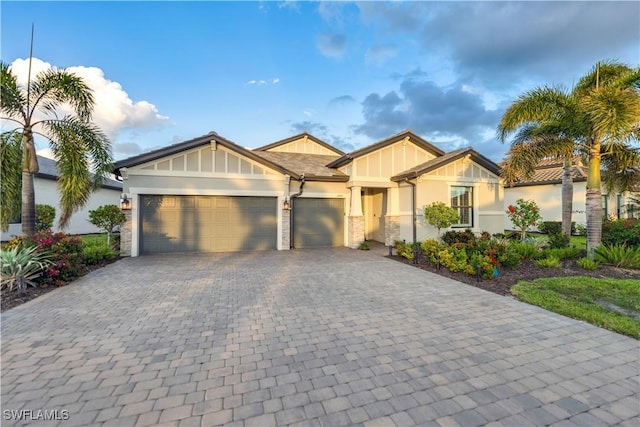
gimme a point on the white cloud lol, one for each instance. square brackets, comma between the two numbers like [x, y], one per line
[273, 81]
[114, 110]
[332, 45]
[307, 113]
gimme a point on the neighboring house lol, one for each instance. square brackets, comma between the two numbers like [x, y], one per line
[46, 191]
[210, 194]
[545, 188]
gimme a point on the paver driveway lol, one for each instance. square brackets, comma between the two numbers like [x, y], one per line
[317, 337]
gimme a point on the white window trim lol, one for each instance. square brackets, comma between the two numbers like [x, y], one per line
[474, 207]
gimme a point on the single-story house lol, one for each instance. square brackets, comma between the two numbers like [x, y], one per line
[46, 193]
[545, 188]
[209, 194]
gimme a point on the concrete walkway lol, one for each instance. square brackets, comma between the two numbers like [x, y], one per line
[312, 337]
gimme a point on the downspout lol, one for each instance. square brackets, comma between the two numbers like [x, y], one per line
[413, 207]
[292, 212]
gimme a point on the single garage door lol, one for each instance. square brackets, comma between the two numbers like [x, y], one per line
[207, 224]
[318, 222]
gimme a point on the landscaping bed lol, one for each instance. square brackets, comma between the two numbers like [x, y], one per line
[528, 270]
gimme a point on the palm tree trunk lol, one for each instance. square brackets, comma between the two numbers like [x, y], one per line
[29, 168]
[594, 199]
[567, 197]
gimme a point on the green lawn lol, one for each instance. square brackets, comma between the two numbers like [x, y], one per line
[613, 304]
[93, 239]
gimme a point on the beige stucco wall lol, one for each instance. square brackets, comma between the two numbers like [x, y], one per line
[304, 145]
[388, 161]
[46, 191]
[549, 199]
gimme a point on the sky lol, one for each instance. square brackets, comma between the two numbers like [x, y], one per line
[350, 73]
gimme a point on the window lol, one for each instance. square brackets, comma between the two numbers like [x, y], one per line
[462, 201]
[605, 206]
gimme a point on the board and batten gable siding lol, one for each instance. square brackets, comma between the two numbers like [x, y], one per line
[387, 162]
[204, 160]
[303, 145]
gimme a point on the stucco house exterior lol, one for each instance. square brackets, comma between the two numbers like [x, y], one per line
[46, 192]
[545, 188]
[209, 194]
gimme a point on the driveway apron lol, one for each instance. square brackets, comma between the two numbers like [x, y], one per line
[307, 337]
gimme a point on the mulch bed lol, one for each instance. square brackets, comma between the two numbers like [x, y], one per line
[11, 299]
[528, 270]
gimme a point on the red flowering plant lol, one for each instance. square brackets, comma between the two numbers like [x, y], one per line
[523, 215]
[65, 252]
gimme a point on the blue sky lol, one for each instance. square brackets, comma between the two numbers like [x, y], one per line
[349, 73]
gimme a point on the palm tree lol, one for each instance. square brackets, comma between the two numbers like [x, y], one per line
[601, 114]
[82, 151]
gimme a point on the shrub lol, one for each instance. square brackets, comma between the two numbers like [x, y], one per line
[526, 250]
[20, 267]
[466, 236]
[97, 254]
[440, 215]
[587, 263]
[549, 262]
[510, 258]
[487, 268]
[559, 240]
[523, 215]
[65, 253]
[107, 217]
[581, 230]
[554, 227]
[618, 256]
[363, 246]
[404, 249]
[563, 253]
[45, 215]
[454, 258]
[621, 232]
[430, 248]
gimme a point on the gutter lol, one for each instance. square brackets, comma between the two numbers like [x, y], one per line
[413, 207]
[292, 214]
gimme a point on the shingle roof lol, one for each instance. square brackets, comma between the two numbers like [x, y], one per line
[381, 144]
[49, 170]
[445, 159]
[553, 175]
[313, 166]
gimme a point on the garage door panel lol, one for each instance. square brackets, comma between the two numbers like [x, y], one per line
[318, 222]
[207, 224]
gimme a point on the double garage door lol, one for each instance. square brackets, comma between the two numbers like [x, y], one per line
[207, 224]
[227, 224]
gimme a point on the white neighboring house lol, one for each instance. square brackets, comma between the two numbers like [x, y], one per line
[545, 188]
[45, 186]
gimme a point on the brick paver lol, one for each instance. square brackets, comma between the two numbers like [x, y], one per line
[311, 337]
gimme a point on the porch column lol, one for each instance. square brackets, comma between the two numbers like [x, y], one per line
[125, 234]
[392, 218]
[356, 219]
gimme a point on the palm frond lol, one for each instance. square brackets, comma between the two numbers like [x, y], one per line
[614, 112]
[604, 74]
[11, 183]
[54, 87]
[12, 101]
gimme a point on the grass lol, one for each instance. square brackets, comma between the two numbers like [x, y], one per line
[612, 304]
[93, 239]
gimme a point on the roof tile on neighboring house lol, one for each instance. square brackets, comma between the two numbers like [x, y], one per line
[49, 170]
[553, 175]
[392, 140]
[452, 156]
[313, 166]
[299, 136]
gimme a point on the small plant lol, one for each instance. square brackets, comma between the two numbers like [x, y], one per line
[523, 215]
[618, 256]
[526, 250]
[563, 253]
[64, 251]
[466, 237]
[621, 232]
[430, 248]
[558, 240]
[510, 257]
[581, 230]
[20, 267]
[549, 262]
[404, 249]
[454, 258]
[363, 246]
[107, 218]
[97, 254]
[587, 263]
[440, 215]
[45, 215]
[487, 267]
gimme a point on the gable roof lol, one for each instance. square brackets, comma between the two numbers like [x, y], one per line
[297, 137]
[551, 173]
[195, 143]
[452, 156]
[49, 170]
[313, 166]
[345, 159]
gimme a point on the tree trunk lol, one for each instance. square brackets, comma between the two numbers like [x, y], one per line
[567, 197]
[594, 200]
[29, 168]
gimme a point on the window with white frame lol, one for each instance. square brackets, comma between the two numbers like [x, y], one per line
[462, 201]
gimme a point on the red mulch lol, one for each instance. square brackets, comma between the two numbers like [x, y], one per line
[528, 270]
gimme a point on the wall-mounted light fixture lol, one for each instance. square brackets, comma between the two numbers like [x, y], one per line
[125, 203]
[286, 205]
